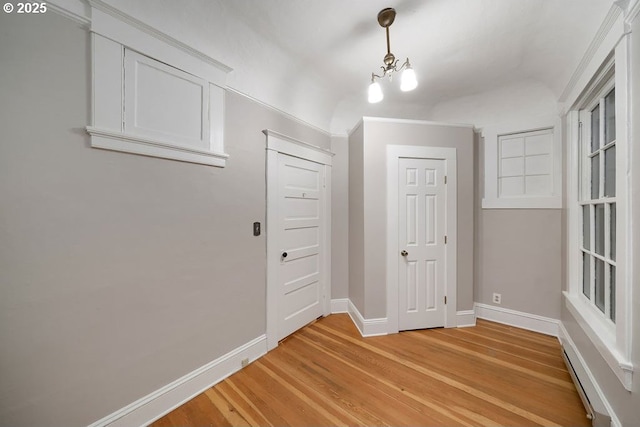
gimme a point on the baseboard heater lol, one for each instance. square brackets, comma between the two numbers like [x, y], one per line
[596, 411]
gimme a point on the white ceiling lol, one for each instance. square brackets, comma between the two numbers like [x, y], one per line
[314, 58]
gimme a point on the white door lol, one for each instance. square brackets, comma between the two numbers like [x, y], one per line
[301, 281]
[421, 243]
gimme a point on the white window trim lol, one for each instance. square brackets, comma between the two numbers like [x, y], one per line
[613, 344]
[491, 134]
[112, 33]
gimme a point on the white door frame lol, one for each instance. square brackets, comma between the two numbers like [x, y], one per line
[394, 153]
[278, 143]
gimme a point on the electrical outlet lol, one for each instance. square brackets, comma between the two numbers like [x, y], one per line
[244, 362]
[497, 298]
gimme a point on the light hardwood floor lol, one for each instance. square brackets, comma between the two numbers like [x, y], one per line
[326, 374]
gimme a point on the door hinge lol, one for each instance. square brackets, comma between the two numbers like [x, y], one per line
[445, 240]
[445, 299]
[445, 179]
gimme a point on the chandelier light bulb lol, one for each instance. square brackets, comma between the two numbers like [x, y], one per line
[375, 92]
[408, 81]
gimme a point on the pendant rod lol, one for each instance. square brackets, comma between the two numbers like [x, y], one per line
[388, 43]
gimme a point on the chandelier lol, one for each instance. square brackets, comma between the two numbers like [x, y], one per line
[408, 79]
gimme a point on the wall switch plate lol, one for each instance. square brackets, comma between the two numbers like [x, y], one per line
[256, 228]
[497, 298]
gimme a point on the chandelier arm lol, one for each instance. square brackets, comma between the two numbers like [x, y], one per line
[403, 66]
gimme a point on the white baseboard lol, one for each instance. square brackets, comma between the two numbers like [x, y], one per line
[465, 318]
[153, 406]
[519, 319]
[339, 305]
[580, 366]
[367, 327]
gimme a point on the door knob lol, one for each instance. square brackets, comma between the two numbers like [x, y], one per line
[404, 253]
[284, 254]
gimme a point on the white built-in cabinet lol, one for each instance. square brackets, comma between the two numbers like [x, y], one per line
[152, 95]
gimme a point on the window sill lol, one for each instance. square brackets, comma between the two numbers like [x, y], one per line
[116, 141]
[524, 202]
[602, 339]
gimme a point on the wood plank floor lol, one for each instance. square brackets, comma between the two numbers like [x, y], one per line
[326, 375]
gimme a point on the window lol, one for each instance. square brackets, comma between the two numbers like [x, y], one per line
[523, 164]
[599, 277]
[598, 202]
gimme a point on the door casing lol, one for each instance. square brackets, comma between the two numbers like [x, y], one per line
[394, 153]
[278, 143]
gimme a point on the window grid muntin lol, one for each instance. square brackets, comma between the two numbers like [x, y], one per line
[589, 150]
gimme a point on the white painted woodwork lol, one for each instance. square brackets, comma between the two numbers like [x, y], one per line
[421, 210]
[300, 277]
[421, 232]
[153, 95]
[523, 164]
[613, 342]
[298, 223]
[164, 102]
[526, 164]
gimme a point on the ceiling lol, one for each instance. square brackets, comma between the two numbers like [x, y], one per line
[314, 58]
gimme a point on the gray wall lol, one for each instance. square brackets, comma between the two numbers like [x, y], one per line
[340, 218]
[625, 404]
[118, 273]
[377, 135]
[518, 254]
[356, 218]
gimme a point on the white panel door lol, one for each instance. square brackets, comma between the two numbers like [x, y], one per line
[421, 240]
[300, 276]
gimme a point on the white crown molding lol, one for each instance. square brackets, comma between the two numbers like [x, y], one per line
[110, 10]
[414, 122]
[632, 12]
[162, 401]
[80, 11]
[279, 111]
[598, 39]
[76, 10]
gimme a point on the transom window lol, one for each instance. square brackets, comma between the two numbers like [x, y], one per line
[598, 202]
